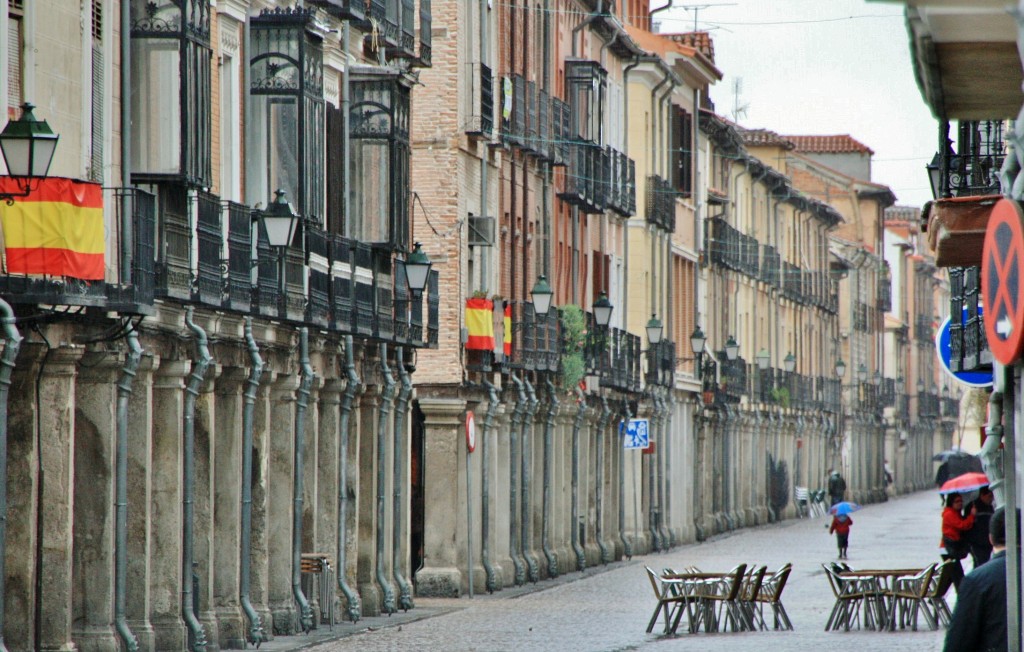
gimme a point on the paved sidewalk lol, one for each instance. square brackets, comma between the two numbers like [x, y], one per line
[607, 608]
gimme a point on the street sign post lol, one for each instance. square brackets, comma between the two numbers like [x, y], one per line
[1001, 263]
[470, 431]
[636, 434]
[944, 349]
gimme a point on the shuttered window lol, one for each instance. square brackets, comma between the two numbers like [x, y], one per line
[96, 154]
[15, 90]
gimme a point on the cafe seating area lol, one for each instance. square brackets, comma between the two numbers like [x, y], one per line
[712, 602]
[888, 599]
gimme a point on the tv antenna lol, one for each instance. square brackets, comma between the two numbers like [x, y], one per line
[696, 9]
[738, 110]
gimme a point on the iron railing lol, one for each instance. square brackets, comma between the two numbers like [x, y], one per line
[661, 203]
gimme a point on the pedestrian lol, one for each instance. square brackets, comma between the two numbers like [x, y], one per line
[836, 488]
[954, 528]
[977, 536]
[841, 526]
[887, 471]
[979, 617]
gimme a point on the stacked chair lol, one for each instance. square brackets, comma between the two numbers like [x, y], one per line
[771, 594]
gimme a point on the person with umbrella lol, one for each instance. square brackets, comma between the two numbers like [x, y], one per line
[954, 529]
[841, 523]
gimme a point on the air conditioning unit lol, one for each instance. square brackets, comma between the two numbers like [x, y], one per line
[481, 231]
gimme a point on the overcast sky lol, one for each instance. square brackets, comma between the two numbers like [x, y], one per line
[816, 67]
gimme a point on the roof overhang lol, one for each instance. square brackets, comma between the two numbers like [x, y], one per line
[965, 58]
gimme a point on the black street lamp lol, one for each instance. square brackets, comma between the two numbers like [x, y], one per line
[697, 341]
[732, 348]
[279, 221]
[840, 368]
[789, 364]
[763, 358]
[541, 296]
[602, 310]
[876, 378]
[654, 330]
[417, 269]
[862, 373]
[27, 145]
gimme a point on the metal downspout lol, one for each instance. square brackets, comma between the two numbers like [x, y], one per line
[581, 410]
[12, 343]
[301, 402]
[599, 11]
[405, 601]
[602, 428]
[354, 608]
[990, 451]
[256, 634]
[627, 545]
[387, 395]
[491, 581]
[652, 484]
[124, 391]
[485, 258]
[666, 464]
[549, 424]
[525, 529]
[513, 483]
[196, 633]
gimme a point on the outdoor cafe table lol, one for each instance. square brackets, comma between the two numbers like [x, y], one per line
[880, 582]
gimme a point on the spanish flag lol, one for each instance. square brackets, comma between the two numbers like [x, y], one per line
[57, 230]
[480, 324]
[507, 327]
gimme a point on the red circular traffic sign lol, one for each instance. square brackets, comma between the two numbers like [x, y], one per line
[1001, 265]
[470, 431]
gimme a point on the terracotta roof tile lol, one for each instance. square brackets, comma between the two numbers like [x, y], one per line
[700, 41]
[836, 144]
[763, 138]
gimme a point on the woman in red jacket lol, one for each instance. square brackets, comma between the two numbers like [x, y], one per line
[954, 528]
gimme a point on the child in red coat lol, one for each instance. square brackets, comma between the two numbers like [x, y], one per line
[841, 526]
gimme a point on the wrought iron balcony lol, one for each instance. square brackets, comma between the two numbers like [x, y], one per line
[928, 406]
[661, 364]
[535, 339]
[318, 308]
[923, 328]
[622, 183]
[561, 120]
[732, 249]
[950, 408]
[586, 177]
[968, 344]
[211, 274]
[973, 169]
[542, 145]
[771, 266]
[513, 127]
[863, 317]
[733, 377]
[792, 282]
[238, 292]
[342, 9]
[661, 203]
[884, 296]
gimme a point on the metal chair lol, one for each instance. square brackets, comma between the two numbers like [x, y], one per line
[752, 587]
[803, 502]
[671, 602]
[849, 598]
[720, 600]
[935, 598]
[771, 594]
[908, 594]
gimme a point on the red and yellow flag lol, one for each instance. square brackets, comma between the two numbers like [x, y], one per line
[480, 324]
[57, 230]
[507, 327]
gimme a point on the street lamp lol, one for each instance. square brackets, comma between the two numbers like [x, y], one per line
[763, 358]
[862, 373]
[654, 332]
[935, 176]
[920, 386]
[417, 269]
[697, 341]
[789, 363]
[541, 296]
[602, 310]
[840, 368]
[27, 145]
[876, 378]
[732, 348]
[279, 221]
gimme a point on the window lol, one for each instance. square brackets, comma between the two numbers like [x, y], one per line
[15, 45]
[585, 91]
[230, 112]
[380, 157]
[682, 151]
[96, 90]
[171, 58]
[285, 146]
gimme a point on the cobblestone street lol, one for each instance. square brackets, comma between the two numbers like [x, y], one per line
[607, 608]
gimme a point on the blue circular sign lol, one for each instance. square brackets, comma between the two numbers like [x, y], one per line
[945, 351]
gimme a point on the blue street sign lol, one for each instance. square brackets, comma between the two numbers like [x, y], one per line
[945, 353]
[636, 435]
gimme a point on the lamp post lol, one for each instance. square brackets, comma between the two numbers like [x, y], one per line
[280, 223]
[417, 269]
[862, 373]
[27, 145]
[732, 348]
[602, 310]
[789, 364]
[541, 296]
[654, 330]
[840, 368]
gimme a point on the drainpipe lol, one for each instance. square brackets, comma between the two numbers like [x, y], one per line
[126, 144]
[485, 487]
[602, 427]
[354, 609]
[627, 546]
[652, 491]
[12, 343]
[301, 401]
[666, 464]
[387, 395]
[990, 452]
[513, 483]
[124, 391]
[256, 635]
[404, 588]
[527, 461]
[197, 636]
[549, 423]
[599, 12]
[581, 409]
[485, 258]
[625, 149]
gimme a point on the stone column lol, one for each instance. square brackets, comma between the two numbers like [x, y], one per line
[140, 456]
[326, 503]
[227, 497]
[93, 530]
[260, 570]
[445, 537]
[165, 507]
[561, 484]
[311, 489]
[365, 474]
[280, 503]
[203, 524]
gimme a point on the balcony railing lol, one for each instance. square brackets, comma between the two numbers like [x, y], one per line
[561, 121]
[586, 177]
[974, 168]
[771, 265]
[732, 378]
[923, 328]
[968, 344]
[661, 364]
[928, 406]
[661, 203]
[622, 190]
[481, 113]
